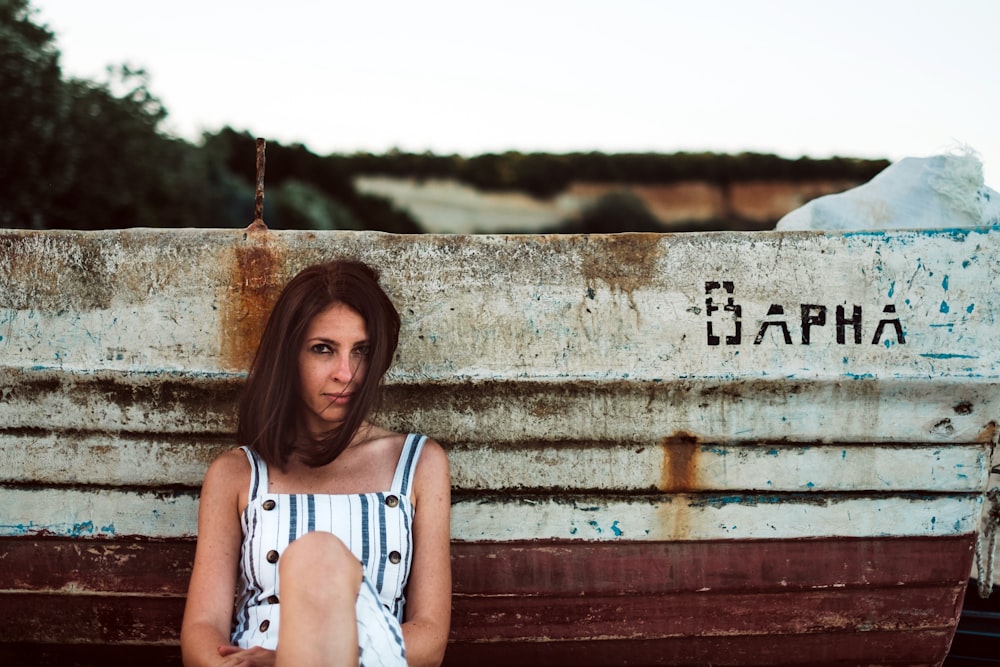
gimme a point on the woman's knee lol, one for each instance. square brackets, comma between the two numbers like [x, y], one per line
[319, 555]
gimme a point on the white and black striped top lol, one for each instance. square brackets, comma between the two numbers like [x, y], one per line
[374, 526]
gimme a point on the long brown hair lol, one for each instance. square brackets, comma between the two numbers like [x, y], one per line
[271, 405]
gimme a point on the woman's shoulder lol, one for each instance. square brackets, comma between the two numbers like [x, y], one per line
[432, 468]
[433, 450]
[229, 467]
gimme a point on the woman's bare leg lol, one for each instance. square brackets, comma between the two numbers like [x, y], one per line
[319, 583]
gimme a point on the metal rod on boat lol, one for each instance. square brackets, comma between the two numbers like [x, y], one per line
[258, 202]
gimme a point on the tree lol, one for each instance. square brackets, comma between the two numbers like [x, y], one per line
[81, 154]
[32, 113]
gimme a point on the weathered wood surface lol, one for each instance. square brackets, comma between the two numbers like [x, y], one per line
[762, 448]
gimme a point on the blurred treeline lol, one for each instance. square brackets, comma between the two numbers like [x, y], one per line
[80, 154]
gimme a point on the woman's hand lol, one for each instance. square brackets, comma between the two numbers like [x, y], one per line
[246, 657]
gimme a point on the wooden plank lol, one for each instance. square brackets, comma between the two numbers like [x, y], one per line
[707, 517]
[91, 619]
[671, 464]
[71, 566]
[96, 512]
[847, 650]
[107, 459]
[913, 649]
[115, 619]
[712, 410]
[88, 655]
[659, 568]
[704, 614]
[685, 464]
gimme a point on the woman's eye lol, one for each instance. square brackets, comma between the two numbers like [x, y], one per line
[362, 351]
[320, 348]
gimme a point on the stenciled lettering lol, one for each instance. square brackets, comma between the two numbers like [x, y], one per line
[729, 306]
[725, 321]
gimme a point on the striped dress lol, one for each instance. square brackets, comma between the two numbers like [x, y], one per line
[374, 526]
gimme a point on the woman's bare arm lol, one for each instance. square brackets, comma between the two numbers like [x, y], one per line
[209, 609]
[428, 594]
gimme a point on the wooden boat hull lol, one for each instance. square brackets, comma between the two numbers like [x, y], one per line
[666, 449]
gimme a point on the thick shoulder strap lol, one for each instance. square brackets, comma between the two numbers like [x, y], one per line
[403, 479]
[258, 473]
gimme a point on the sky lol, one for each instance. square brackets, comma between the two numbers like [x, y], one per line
[851, 78]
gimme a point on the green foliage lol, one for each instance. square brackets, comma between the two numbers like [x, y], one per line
[31, 116]
[307, 189]
[121, 171]
[301, 205]
[89, 155]
[614, 212]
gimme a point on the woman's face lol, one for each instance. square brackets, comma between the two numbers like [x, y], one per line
[332, 363]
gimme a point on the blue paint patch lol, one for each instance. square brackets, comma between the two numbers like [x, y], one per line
[954, 233]
[809, 485]
[78, 529]
[722, 501]
[970, 308]
[572, 531]
[616, 530]
[944, 307]
[108, 529]
[942, 355]
[772, 452]
[718, 451]
[593, 524]
[892, 289]
[843, 455]
[944, 283]
[11, 529]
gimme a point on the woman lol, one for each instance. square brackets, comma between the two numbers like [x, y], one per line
[315, 489]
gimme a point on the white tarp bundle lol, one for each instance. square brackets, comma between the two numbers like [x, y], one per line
[941, 191]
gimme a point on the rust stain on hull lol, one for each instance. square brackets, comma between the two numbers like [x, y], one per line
[680, 463]
[256, 278]
[989, 434]
[625, 262]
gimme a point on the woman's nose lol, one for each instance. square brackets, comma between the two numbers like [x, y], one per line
[343, 370]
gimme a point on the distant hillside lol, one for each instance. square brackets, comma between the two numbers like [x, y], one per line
[539, 192]
[447, 206]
